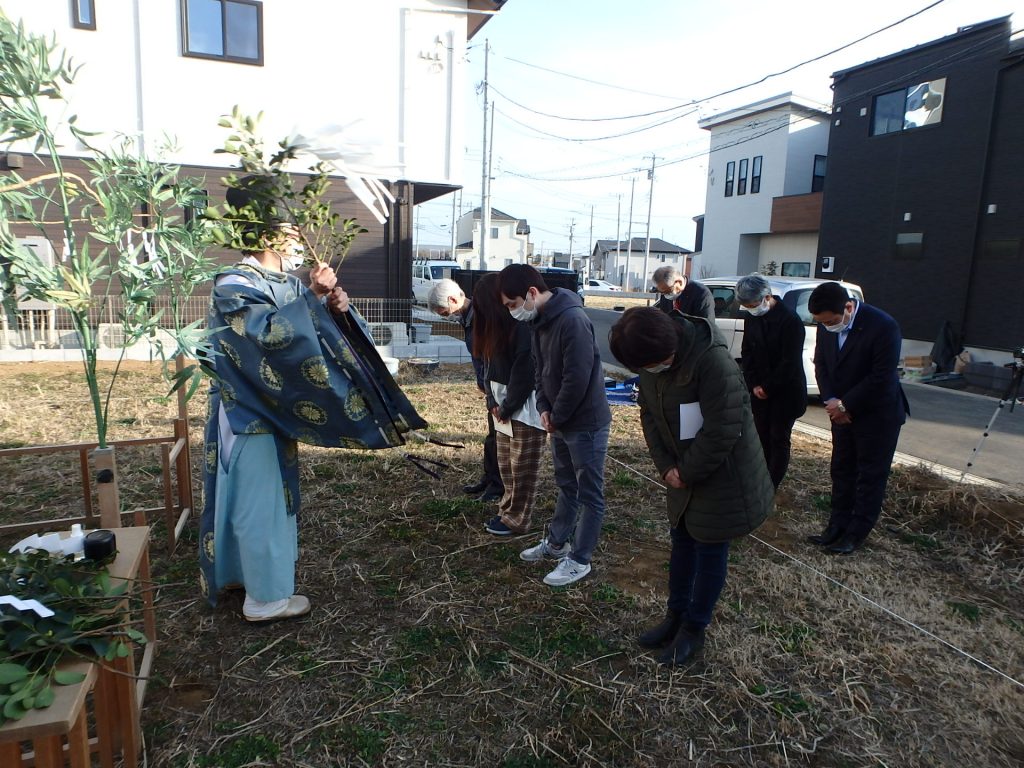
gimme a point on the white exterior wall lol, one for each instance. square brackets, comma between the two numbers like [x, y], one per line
[798, 247]
[733, 225]
[390, 71]
[615, 268]
[506, 246]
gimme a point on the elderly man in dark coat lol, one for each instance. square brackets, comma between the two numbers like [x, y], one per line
[773, 366]
[696, 419]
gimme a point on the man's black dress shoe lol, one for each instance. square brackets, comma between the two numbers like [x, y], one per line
[475, 488]
[847, 544]
[830, 535]
[688, 642]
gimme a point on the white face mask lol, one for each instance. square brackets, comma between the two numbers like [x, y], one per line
[759, 310]
[291, 263]
[657, 368]
[840, 326]
[522, 313]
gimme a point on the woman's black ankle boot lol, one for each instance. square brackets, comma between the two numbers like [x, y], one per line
[662, 634]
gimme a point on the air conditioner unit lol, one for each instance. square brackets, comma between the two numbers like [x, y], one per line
[110, 336]
[385, 334]
[42, 248]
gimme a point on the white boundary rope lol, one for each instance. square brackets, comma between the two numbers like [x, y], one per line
[855, 593]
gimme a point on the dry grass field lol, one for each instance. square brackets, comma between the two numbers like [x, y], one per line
[431, 644]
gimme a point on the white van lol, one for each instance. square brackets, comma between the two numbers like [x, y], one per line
[425, 273]
[794, 292]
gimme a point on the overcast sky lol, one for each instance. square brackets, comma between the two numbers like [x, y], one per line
[651, 56]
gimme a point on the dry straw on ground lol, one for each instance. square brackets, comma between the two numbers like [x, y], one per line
[432, 644]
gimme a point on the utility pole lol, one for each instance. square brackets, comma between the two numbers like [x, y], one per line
[618, 236]
[453, 233]
[485, 198]
[590, 253]
[629, 235]
[650, 204]
[572, 227]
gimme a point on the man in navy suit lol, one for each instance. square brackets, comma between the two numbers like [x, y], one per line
[855, 362]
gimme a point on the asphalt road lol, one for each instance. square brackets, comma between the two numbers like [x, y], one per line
[944, 427]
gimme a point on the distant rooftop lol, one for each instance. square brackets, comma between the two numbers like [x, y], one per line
[798, 104]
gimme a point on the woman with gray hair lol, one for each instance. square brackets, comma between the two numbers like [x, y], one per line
[773, 367]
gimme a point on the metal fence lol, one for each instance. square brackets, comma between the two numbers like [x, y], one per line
[392, 322]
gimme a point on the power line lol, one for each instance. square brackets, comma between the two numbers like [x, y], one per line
[693, 102]
[983, 47]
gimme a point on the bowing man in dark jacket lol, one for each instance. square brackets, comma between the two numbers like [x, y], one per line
[680, 293]
[855, 362]
[773, 368]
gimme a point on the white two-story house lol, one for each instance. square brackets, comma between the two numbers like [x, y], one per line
[508, 241]
[382, 80]
[622, 262]
[766, 170]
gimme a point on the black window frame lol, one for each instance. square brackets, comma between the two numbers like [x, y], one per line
[818, 179]
[257, 62]
[76, 17]
[730, 175]
[741, 177]
[755, 174]
[897, 121]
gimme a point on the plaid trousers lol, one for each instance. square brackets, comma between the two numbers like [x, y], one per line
[519, 459]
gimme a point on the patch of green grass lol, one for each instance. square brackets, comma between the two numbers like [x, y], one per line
[12, 444]
[791, 637]
[623, 479]
[391, 679]
[786, 702]
[245, 750]
[564, 641]
[527, 760]
[367, 743]
[491, 663]
[401, 532]
[344, 489]
[384, 587]
[426, 640]
[968, 611]
[609, 593]
[920, 541]
[822, 501]
[446, 509]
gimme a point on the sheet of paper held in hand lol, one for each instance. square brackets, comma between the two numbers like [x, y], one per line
[505, 427]
[690, 420]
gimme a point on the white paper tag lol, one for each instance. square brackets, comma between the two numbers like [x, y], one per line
[504, 427]
[690, 420]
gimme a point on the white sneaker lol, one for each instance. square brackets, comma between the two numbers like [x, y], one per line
[544, 549]
[566, 572]
[254, 610]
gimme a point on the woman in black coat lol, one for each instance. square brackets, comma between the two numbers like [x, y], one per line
[773, 367]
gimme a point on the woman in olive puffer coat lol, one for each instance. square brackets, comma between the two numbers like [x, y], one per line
[696, 417]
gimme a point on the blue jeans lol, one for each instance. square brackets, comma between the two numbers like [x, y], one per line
[696, 576]
[579, 474]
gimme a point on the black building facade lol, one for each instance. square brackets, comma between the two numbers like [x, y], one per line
[924, 199]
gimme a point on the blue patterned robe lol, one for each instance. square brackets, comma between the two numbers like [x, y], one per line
[288, 368]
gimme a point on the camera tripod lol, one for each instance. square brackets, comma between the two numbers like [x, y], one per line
[1009, 398]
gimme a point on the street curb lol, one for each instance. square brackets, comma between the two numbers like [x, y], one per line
[906, 460]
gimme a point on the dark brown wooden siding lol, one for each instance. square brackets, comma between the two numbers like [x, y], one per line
[796, 213]
[379, 265]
